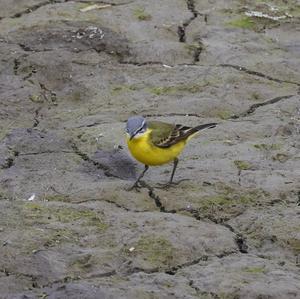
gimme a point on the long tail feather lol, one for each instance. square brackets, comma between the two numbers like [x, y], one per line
[205, 126]
[191, 131]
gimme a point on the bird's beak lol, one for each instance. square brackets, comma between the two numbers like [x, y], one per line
[131, 136]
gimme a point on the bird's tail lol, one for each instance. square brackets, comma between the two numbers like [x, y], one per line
[192, 131]
[205, 126]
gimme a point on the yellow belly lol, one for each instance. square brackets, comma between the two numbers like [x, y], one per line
[149, 154]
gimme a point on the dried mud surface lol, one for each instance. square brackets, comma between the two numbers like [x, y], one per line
[70, 76]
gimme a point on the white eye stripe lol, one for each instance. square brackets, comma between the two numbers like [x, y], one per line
[138, 130]
[141, 128]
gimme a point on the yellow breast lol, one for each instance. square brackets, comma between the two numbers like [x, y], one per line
[147, 153]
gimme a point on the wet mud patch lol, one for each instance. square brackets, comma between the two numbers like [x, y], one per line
[44, 157]
[279, 238]
[73, 72]
[71, 36]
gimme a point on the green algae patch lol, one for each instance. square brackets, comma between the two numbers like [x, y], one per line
[36, 98]
[60, 236]
[226, 200]
[255, 96]
[281, 157]
[35, 213]
[255, 270]
[242, 165]
[252, 23]
[224, 114]
[243, 22]
[176, 89]
[140, 14]
[154, 251]
[267, 147]
[294, 244]
[229, 202]
[121, 89]
[57, 197]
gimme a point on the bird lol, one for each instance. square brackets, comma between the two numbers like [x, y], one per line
[156, 143]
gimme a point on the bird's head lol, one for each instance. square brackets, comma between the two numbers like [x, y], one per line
[136, 126]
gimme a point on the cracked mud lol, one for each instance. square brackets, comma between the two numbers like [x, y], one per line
[72, 72]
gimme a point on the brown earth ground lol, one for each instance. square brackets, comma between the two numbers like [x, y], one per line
[72, 72]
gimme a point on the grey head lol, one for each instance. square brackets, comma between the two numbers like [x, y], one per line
[136, 125]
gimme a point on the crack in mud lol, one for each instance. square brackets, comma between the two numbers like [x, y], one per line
[196, 58]
[16, 66]
[104, 2]
[181, 31]
[101, 275]
[173, 270]
[123, 207]
[198, 50]
[249, 111]
[172, 114]
[181, 28]
[203, 294]
[253, 107]
[255, 73]
[31, 277]
[67, 279]
[156, 199]
[36, 120]
[45, 152]
[197, 53]
[35, 7]
[135, 63]
[240, 240]
[9, 161]
[99, 165]
[46, 92]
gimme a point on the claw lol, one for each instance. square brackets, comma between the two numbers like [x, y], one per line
[137, 186]
[170, 184]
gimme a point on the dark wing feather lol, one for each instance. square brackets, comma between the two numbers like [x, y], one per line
[165, 135]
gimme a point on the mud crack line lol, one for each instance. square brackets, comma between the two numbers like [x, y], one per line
[172, 114]
[240, 240]
[253, 107]
[258, 74]
[197, 47]
[156, 198]
[35, 7]
[10, 160]
[99, 165]
[173, 270]
[170, 271]
[77, 278]
[181, 28]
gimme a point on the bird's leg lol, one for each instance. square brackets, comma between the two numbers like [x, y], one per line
[135, 185]
[174, 169]
[170, 183]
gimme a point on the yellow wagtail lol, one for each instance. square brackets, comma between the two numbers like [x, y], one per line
[155, 143]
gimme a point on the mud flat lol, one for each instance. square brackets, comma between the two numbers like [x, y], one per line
[72, 72]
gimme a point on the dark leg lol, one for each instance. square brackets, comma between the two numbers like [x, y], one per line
[174, 169]
[135, 185]
[171, 183]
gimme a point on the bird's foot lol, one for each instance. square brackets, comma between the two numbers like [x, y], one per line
[169, 184]
[136, 186]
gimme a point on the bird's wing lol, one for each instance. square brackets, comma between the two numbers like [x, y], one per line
[165, 135]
